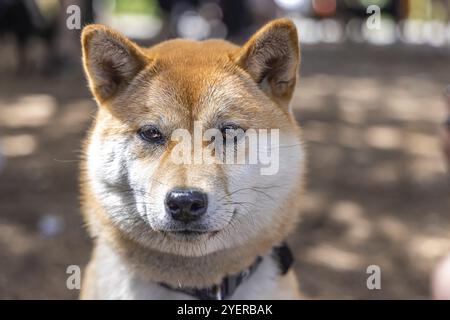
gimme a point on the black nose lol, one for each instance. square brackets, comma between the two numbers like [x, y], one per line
[186, 205]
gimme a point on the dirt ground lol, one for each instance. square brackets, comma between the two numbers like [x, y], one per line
[377, 191]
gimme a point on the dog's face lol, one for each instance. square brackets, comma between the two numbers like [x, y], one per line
[145, 96]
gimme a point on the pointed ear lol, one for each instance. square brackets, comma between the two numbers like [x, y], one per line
[272, 58]
[110, 60]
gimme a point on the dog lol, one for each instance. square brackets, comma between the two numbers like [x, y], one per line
[165, 230]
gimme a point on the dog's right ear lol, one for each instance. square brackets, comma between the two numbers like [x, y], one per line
[272, 58]
[110, 60]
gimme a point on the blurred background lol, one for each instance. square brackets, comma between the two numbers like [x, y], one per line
[370, 100]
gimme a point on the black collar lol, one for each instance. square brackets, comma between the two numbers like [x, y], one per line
[282, 254]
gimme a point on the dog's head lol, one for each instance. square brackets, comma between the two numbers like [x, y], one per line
[151, 99]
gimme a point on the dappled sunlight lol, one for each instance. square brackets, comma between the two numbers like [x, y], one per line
[351, 214]
[405, 108]
[316, 131]
[420, 144]
[314, 201]
[418, 85]
[384, 173]
[426, 170]
[429, 247]
[383, 137]
[16, 240]
[378, 187]
[315, 85]
[76, 115]
[361, 90]
[349, 137]
[329, 157]
[426, 250]
[27, 111]
[18, 145]
[334, 257]
[352, 111]
[393, 228]
[313, 103]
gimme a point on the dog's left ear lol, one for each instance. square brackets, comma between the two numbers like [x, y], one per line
[272, 58]
[110, 60]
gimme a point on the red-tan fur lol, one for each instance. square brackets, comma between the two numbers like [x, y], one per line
[182, 80]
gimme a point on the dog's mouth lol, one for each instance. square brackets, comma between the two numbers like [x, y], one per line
[190, 232]
[190, 235]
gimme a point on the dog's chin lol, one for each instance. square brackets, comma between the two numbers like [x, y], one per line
[187, 243]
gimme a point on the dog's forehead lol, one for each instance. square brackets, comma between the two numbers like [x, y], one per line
[190, 96]
[193, 66]
[180, 52]
[193, 76]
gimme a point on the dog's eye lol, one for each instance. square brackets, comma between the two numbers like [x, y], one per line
[151, 134]
[231, 131]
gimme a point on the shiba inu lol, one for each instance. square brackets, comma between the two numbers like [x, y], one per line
[165, 230]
